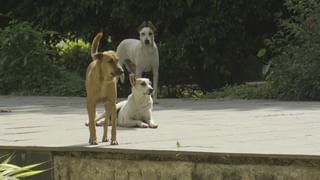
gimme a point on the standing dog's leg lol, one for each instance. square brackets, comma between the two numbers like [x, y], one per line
[91, 108]
[155, 84]
[114, 123]
[107, 110]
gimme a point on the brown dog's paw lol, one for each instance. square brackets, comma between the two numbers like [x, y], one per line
[93, 142]
[114, 142]
[105, 139]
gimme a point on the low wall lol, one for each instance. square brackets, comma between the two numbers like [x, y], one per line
[157, 165]
[100, 163]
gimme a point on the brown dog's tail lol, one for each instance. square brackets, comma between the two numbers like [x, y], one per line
[95, 44]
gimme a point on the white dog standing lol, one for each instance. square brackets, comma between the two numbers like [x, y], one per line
[142, 55]
[136, 111]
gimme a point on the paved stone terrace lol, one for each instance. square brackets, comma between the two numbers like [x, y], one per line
[226, 126]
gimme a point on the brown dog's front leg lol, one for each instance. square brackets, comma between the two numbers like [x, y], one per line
[114, 124]
[91, 108]
[107, 109]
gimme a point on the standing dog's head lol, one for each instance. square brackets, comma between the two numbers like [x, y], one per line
[146, 32]
[141, 85]
[108, 60]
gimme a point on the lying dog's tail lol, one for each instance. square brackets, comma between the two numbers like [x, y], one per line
[95, 44]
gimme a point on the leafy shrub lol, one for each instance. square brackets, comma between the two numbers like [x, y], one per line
[25, 67]
[67, 84]
[181, 91]
[24, 63]
[206, 43]
[244, 91]
[296, 63]
[74, 55]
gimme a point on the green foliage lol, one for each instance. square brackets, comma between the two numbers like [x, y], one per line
[12, 172]
[74, 55]
[206, 43]
[244, 91]
[25, 67]
[24, 62]
[181, 91]
[67, 84]
[296, 62]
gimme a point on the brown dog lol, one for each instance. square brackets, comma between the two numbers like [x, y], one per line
[101, 87]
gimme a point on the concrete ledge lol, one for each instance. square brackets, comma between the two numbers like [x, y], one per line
[100, 163]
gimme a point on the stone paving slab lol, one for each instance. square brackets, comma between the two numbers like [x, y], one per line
[220, 126]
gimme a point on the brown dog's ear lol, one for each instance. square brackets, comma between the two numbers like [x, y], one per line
[98, 56]
[142, 25]
[153, 27]
[132, 79]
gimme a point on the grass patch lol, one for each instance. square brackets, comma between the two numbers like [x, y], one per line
[243, 91]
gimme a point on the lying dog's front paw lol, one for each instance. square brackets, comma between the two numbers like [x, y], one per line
[144, 125]
[153, 126]
[114, 142]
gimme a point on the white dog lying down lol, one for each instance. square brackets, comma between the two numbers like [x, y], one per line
[136, 111]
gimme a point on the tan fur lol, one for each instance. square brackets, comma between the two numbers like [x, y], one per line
[101, 87]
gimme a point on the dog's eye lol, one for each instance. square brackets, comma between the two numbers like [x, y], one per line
[110, 61]
[143, 84]
[143, 34]
[150, 34]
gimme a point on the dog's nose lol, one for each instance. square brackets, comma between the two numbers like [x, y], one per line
[150, 91]
[147, 41]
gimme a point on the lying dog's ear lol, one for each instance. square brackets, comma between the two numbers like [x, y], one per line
[98, 56]
[142, 25]
[153, 27]
[132, 79]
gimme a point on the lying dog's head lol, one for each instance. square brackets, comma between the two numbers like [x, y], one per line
[141, 85]
[109, 62]
[146, 32]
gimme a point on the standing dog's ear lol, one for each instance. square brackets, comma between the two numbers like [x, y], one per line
[142, 25]
[132, 79]
[153, 27]
[98, 56]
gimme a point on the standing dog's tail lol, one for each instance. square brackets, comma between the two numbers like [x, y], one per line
[95, 44]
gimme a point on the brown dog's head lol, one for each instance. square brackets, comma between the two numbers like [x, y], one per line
[146, 33]
[109, 62]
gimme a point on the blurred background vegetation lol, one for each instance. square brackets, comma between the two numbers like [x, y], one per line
[208, 48]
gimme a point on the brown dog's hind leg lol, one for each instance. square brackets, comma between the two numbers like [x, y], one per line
[91, 108]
